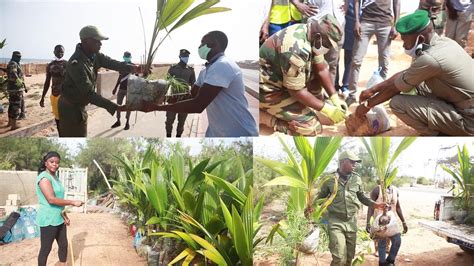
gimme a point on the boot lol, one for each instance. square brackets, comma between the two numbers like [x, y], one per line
[117, 124]
[127, 126]
[22, 116]
[14, 124]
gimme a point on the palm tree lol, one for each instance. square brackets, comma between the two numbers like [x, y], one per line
[463, 174]
[169, 17]
[379, 151]
[302, 177]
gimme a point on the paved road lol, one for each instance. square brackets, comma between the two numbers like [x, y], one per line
[153, 124]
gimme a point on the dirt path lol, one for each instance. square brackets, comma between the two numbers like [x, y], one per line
[97, 239]
[419, 246]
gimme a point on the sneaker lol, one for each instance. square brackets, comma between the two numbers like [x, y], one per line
[22, 116]
[117, 124]
[127, 127]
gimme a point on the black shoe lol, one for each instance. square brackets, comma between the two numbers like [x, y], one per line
[127, 127]
[22, 116]
[117, 124]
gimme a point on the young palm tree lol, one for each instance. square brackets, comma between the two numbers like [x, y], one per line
[463, 174]
[169, 17]
[379, 151]
[302, 177]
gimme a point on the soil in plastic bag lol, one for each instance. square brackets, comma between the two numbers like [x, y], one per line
[379, 230]
[376, 121]
[140, 89]
[310, 244]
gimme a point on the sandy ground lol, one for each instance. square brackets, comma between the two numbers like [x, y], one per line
[97, 239]
[34, 112]
[399, 61]
[419, 246]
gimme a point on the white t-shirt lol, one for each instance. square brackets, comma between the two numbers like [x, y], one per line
[228, 114]
[333, 7]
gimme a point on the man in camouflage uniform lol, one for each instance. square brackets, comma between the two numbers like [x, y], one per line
[292, 75]
[341, 214]
[55, 72]
[436, 12]
[15, 88]
[183, 73]
[78, 88]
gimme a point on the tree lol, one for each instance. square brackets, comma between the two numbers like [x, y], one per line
[103, 150]
[26, 153]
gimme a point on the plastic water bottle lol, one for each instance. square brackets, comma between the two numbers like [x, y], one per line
[375, 79]
[30, 229]
[17, 230]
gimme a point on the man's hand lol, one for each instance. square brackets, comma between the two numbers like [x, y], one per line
[405, 227]
[357, 33]
[367, 228]
[146, 106]
[77, 203]
[338, 102]
[306, 9]
[393, 33]
[361, 110]
[264, 33]
[335, 114]
[42, 102]
[114, 91]
[365, 95]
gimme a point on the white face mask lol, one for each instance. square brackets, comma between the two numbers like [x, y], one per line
[412, 52]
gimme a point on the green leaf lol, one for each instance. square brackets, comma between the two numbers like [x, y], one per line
[286, 181]
[210, 251]
[187, 253]
[278, 167]
[227, 187]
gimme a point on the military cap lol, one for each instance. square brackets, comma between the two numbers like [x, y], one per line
[91, 32]
[16, 53]
[413, 23]
[127, 54]
[184, 52]
[331, 28]
[349, 155]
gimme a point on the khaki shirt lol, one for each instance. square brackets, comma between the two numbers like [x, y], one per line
[81, 75]
[445, 68]
[349, 193]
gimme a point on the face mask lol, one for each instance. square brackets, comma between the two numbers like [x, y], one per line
[412, 52]
[184, 59]
[321, 50]
[16, 58]
[203, 51]
[127, 59]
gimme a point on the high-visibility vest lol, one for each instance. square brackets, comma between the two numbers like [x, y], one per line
[283, 12]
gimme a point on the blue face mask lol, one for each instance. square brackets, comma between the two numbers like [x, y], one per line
[184, 59]
[127, 59]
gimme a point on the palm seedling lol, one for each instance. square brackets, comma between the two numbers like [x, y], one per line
[463, 174]
[385, 170]
[172, 14]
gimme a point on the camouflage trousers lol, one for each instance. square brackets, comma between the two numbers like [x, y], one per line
[15, 102]
[291, 116]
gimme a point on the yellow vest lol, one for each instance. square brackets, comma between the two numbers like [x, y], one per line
[283, 12]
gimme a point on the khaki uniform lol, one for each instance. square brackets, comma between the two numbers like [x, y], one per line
[341, 216]
[285, 64]
[78, 90]
[443, 77]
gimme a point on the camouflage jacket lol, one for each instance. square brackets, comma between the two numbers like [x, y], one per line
[80, 81]
[287, 57]
[14, 73]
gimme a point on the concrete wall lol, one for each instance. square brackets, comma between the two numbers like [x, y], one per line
[18, 182]
[106, 81]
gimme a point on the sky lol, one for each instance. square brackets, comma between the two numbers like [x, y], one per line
[34, 27]
[417, 160]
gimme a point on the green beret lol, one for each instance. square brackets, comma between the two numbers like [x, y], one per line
[413, 23]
